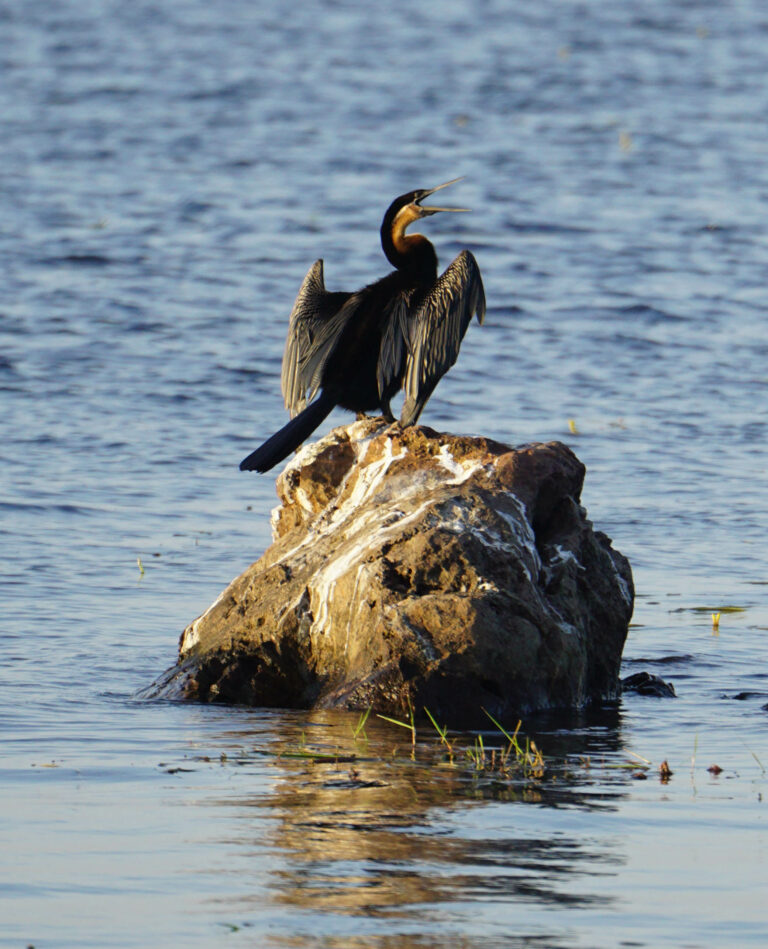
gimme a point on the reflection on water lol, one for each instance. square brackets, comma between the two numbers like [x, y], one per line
[335, 840]
[381, 832]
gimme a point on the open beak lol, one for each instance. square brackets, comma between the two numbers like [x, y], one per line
[430, 210]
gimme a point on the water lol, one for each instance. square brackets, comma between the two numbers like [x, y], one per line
[169, 173]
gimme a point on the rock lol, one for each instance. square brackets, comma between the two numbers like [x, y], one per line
[648, 683]
[414, 568]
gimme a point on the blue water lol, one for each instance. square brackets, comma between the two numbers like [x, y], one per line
[168, 172]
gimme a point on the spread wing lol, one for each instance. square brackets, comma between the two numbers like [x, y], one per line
[394, 345]
[437, 329]
[315, 323]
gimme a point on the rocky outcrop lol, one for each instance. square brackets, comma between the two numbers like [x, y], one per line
[414, 568]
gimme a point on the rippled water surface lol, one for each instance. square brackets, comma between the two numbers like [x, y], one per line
[169, 173]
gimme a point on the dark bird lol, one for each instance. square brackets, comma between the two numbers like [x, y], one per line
[358, 349]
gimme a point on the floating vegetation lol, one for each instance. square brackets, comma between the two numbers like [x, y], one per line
[528, 758]
[410, 724]
[626, 144]
[513, 759]
[759, 762]
[434, 766]
[640, 767]
[469, 756]
[389, 759]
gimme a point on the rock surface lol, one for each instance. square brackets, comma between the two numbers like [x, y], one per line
[447, 572]
[647, 683]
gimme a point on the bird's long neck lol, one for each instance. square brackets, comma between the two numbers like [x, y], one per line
[411, 253]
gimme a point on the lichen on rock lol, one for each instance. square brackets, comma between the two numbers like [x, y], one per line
[411, 568]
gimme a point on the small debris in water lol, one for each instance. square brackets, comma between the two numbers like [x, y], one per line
[665, 772]
[715, 769]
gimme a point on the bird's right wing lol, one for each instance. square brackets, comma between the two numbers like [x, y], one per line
[315, 322]
[437, 329]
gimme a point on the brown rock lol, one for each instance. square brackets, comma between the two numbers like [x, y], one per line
[412, 567]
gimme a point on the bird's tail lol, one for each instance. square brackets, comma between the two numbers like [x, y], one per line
[290, 436]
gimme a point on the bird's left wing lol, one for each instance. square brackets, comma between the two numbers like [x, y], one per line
[437, 329]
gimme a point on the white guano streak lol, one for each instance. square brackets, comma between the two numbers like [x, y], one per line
[368, 479]
[367, 537]
[461, 471]
[623, 585]
[522, 530]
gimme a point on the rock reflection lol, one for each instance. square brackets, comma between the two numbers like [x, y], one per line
[376, 833]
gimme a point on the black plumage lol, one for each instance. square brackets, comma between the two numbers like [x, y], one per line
[357, 350]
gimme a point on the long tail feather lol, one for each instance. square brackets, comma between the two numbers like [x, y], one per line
[290, 436]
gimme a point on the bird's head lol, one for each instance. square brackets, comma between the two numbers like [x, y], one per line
[409, 206]
[410, 250]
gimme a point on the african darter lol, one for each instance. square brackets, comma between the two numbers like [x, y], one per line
[358, 349]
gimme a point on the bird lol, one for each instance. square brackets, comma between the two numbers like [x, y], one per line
[357, 350]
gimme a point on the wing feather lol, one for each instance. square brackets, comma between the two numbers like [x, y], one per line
[437, 329]
[394, 343]
[314, 325]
